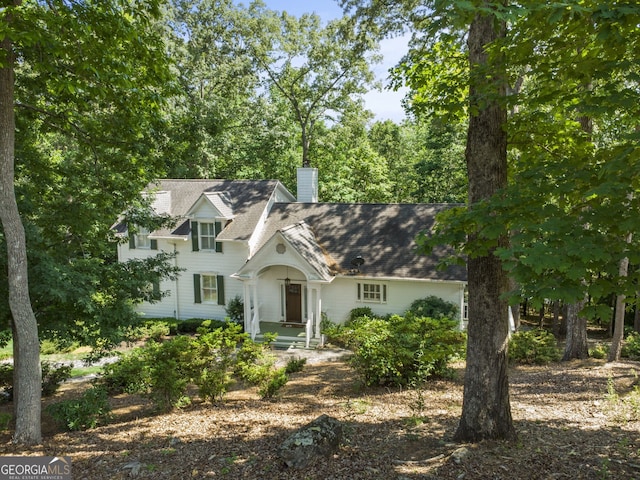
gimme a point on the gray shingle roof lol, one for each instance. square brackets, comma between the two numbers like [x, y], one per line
[245, 199]
[382, 234]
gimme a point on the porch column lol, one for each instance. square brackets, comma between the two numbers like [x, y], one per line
[319, 310]
[315, 306]
[246, 294]
[256, 309]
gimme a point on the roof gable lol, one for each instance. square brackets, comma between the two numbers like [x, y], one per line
[383, 235]
[212, 205]
[243, 201]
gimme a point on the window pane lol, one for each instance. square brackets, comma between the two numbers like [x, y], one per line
[209, 288]
[207, 236]
[371, 292]
[142, 238]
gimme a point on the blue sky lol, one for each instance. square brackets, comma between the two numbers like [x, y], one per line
[385, 104]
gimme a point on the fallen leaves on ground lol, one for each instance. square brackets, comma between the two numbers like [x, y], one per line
[570, 426]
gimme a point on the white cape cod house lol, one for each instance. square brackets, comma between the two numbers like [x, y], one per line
[290, 260]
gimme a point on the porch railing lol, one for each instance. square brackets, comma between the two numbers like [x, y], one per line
[309, 330]
[254, 325]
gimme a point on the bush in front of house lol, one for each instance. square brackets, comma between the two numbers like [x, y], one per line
[432, 307]
[214, 359]
[536, 346]
[163, 371]
[235, 309]
[256, 365]
[402, 350]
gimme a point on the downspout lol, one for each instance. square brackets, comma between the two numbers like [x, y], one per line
[176, 304]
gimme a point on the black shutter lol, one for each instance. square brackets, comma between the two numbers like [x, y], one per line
[218, 229]
[196, 288]
[132, 241]
[194, 236]
[220, 287]
[156, 288]
[154, 244]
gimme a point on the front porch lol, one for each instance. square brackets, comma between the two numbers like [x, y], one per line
[290, 335]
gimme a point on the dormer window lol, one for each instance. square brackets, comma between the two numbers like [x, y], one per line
[141, 239]
[203, 236]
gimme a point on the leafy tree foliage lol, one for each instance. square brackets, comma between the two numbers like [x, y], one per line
[89, 83]
[319, 70]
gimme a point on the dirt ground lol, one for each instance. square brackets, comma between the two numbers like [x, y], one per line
[568, 426]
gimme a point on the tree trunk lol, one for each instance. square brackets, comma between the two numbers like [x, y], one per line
[515, 309]
[556, 318]
[486, 411]
[26, 348]
[541, 317]
[576, 343]
[636, 317]
[618, 329]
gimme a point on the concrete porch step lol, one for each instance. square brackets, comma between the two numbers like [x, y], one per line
[291, 342]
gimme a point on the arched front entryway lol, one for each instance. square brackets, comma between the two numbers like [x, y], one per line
[280, 298]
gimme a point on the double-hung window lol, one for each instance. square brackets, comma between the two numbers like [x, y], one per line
[142, 238]
[208, 288]
[207, 236]
[372, 292]
[203, 236]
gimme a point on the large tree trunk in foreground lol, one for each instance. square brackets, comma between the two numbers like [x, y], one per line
[576, 342]
[26, 348]
[486, 411]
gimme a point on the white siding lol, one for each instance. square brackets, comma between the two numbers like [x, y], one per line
[340, 297]
[180, 302]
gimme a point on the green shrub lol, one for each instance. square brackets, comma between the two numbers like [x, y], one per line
[48, 347]
[272, 383]
[254, 361]
[130, 374]
[5, 420]
[88, 411]
[169, 367]
[600, 350]
[360, 312]
[255, 364]
[157, 330]
[6, 382]
[402, 350]
[213, 360]
[433, 307]
[53, 375]
[330, 329]
[295, 365]
[631, 346]
[235, 309]
[189, 325]
[535, 346]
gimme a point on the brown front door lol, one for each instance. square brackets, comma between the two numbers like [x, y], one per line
[294, 303]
